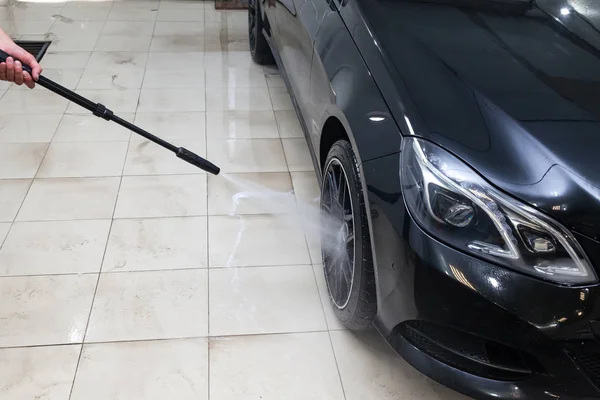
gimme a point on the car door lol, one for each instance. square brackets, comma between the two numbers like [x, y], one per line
[298, 22]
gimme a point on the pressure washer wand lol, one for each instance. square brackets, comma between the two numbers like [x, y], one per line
[99, 110]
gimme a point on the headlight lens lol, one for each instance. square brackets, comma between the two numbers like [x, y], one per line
[457, 206]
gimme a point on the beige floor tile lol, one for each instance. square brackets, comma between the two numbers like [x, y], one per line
[20, 128]
[288, 124]
[117, 100]
[241, 125]
[281, 99]
[41, 310]
[81, 12]
[151, 370]
[253, 193]
[371, 370]
[37, 101]
[255, 240]
[26, 27]
[179, 4]
[162, 196]
[156, 244]
[12, 194]
[274, 367]
[275, 80]
[136, 4]
[164, 28]
[132, 14]
[74, 42]
[264, 300]
[237, 99]
[230, 17]
[175, 78]
[177, 43]
[167, 125]
[44, 373]
[123, 43]
[150, 305]
[234, 77]
[81, 160]
[172, 60]
[245, 155]
[21, 160]
[43, 248]
[171, 100]
[180, 15]
[306, 187]
[240, 59]
[67, 59]
[117, 61]
[79, 26]
[4, 228]
[89, 128]
[35, 12]
[69, 199]
[147, 158]
[225, 32]
[112, 78]
[143, 28]
[297, 155]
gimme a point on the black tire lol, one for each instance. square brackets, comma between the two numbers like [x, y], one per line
[259, 47]
[347, 249]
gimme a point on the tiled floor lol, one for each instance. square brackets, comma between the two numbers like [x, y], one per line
[120, 275]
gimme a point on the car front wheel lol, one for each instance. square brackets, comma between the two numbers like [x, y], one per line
[345, 242]
[259, 47]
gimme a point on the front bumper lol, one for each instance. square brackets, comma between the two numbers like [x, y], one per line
[422, 282]
[547, 329]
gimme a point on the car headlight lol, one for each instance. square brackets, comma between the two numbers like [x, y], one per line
[455, 205]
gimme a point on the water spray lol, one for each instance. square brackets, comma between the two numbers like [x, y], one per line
[100, 111]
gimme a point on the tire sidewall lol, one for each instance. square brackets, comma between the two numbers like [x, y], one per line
[342, 151]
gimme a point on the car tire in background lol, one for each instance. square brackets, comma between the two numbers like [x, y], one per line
[259, 47]
[346, 247]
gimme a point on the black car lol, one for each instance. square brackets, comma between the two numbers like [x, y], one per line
[457, 144]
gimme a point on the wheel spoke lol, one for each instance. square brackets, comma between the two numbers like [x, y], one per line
[350, 238]
[346, 272]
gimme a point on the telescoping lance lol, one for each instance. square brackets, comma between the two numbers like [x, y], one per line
[99, 110]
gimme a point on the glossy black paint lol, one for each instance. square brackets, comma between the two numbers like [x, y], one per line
[512, 90]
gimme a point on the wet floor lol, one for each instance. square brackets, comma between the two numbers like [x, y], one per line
[127, 274]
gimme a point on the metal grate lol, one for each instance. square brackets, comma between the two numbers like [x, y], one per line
[37, 48]
[465, 352]
[590, 364]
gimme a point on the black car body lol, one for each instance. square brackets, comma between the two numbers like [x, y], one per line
[507, 93]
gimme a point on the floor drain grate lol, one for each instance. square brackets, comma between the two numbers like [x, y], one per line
[37, 48]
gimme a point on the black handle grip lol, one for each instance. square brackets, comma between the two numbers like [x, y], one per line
[4, 56]
[198, 161]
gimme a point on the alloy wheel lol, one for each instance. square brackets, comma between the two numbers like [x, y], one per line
[338, 239]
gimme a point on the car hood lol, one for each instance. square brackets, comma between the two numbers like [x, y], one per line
[505, 86]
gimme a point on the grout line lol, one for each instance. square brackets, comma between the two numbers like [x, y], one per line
[237, 216]
[225, 336]
[337, 365]
[281, 172]
[97, 284]
[207, 208]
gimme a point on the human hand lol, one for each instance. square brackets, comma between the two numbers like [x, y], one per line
[11, 70]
